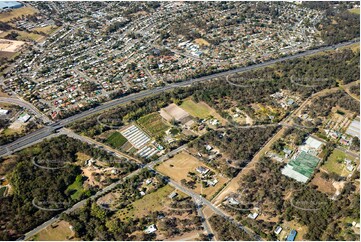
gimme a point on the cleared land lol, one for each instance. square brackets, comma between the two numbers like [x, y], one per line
[15, 13]
[199, 110]
[58, 231]
[76, 189]
[177, 168]
[152, 202]
[10, 45]
[323, 185]
[154, 124]
[116, 140]
[335, 163]
[355, 11]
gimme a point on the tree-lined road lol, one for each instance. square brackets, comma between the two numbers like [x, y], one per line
[40, 134]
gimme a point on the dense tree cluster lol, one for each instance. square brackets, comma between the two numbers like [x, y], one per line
[322, 105]
[303, 204]
[31, 183]
[239, 144]
[228, 231]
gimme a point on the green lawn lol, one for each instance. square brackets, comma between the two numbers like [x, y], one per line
[332, 164]
[116, 140]
[76, 189]
[195, 109]
[149, 203]
[154, 124]
[355, 11]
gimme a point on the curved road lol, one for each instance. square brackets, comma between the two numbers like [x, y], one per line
[41, 134]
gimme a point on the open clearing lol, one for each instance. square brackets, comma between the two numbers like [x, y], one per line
[323, 185]
[199, 110]
[154, 124]
[202, 42]
[333, 165]
[177, 168]
[116, 140]
[152, 202]
[23, 11]
[10, 45]
[58, 231]
[76, 189]
[355, 11]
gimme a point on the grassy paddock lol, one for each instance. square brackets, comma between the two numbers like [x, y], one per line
[116, 140]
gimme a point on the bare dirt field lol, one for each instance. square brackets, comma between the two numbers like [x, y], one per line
[173, 111]
[323, 185]
[10, 45]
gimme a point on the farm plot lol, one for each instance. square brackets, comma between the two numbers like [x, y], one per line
[179, 167]
[154, 124]
[116, 140]
[139, 140]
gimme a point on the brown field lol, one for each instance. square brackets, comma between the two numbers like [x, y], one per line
[10, 45]
[173, 111]
[202, 42]
[323, 185]
[177, 168]
[61, 231]
[8, 16]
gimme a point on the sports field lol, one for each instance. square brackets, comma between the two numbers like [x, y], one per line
[116, 140]
[154, 124]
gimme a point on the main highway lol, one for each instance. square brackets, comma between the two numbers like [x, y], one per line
[46, 131]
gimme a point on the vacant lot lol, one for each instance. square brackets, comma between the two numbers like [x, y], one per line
[58, 231]
[116, 140]
[177, 168]
[10, 45]
[335, 163]
[355, 11]
[199, 110]
[201, 42]
[155, 201]
[323, 185]
[154, 124]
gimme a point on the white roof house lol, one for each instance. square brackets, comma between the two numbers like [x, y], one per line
[150, 229]
[3, 111]
[24, 117]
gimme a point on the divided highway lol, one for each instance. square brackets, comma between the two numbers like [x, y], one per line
[43, 133]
